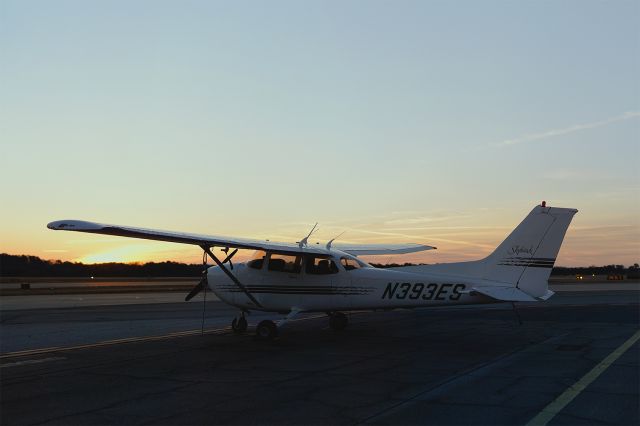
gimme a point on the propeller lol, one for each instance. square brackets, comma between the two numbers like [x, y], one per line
[203, 281]
[229, 256]
[198, 288]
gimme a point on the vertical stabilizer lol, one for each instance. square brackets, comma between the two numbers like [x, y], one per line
[525, 258]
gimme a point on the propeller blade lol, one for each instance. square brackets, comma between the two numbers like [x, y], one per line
[228, 258]
[197, 289]
[230, 255]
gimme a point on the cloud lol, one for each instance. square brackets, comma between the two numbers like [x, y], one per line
[449, 228]
[411, 221]
[559, 132]
[570, 175]
[422, 219]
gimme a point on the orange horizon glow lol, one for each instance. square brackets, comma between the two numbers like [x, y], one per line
[118, 255]
[579, 249]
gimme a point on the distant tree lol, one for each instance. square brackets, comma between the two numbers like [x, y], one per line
[633, 271]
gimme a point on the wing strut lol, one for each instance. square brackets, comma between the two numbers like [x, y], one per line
[224, 269]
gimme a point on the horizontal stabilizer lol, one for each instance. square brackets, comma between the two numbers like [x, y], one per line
[377, 249]
[509, 294]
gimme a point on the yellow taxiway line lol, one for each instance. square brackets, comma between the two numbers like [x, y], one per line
[177, 334]
[550, 411]
[112, 342]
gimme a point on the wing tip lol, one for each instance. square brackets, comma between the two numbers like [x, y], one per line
[57, 224]
[73, 225]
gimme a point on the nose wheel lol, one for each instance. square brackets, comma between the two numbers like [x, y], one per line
[239, 325]
[338, 321]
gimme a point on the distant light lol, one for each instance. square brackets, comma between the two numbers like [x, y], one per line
[91, 277]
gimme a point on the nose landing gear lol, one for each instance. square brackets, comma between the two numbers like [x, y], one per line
[239, 324]
[268, 330]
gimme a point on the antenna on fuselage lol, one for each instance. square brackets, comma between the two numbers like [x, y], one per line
[305, 240]
[333, 239]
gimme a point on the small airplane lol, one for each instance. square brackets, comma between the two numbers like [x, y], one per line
[290, 279]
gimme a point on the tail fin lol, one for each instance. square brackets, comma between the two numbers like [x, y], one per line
[525, 258]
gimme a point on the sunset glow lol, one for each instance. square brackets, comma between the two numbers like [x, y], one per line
[122, 254]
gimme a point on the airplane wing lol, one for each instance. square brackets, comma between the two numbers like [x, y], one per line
[170, 236]
[373, 249]
[219, 241]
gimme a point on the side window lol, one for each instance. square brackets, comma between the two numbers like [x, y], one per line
[349, 264]
[320, 266]
[257, 260]
[290, 263]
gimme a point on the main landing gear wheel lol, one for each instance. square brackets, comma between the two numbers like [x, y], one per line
[266, 330]
[338, 321]
[239, 325]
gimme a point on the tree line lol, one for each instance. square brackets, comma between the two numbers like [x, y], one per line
[33, 266]
[563, 270]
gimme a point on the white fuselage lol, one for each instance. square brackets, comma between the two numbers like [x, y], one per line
[290, 278]
[344, 290]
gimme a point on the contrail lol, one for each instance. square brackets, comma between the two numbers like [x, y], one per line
[557, 132]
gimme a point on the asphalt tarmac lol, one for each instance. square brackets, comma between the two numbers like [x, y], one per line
[574, 360]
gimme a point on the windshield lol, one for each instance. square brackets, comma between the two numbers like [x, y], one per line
[350, 263]
[257, 259]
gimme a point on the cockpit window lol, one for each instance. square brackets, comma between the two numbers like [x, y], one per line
[350, 264]
[316, 265]
[257, 260]
[290, 263]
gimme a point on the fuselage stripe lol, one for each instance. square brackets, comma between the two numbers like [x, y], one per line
[280, 290]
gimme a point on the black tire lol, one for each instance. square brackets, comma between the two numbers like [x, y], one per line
[239, 325]
[266, 330]
[338, 321]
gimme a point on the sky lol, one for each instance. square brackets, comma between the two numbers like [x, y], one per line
[433, 122]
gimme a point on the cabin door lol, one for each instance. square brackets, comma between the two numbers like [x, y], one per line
[320, 282]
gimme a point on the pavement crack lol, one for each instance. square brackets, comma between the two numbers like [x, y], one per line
[452, 382]
[113, 404]
[134, 377]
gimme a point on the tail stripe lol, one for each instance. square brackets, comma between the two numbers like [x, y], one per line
[553, 259]
[534, 262]
[530, 265]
